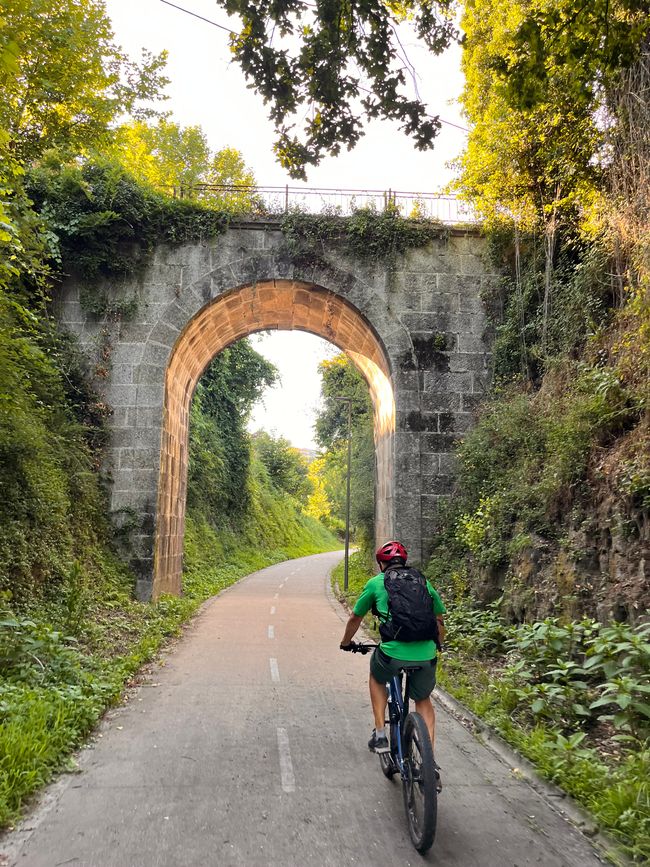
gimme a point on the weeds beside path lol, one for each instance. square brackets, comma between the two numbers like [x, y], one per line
[571, 698]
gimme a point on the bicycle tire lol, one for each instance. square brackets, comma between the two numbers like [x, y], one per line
[419, 783]
[386, 760]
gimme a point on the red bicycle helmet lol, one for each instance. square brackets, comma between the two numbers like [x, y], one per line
[390, 551]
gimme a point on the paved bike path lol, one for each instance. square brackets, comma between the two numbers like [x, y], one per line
[248, 747]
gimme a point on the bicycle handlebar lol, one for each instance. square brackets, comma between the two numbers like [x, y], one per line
[354, 647]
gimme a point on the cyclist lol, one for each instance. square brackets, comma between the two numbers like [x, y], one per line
[390, 656]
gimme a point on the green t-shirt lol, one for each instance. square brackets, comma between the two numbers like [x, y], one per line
[375, 593]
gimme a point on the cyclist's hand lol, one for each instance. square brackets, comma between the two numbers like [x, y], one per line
[348, 647]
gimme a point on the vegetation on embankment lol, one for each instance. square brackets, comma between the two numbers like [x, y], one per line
[569, 697]
[542, 551]
[71, 634]
[552, 508]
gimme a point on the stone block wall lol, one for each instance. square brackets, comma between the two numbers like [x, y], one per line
[417, 331]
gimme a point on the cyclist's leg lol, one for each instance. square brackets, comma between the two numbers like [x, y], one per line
[422, 685]
[382, 669]
[379, 699]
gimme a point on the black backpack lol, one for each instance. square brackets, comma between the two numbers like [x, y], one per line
[410, 607]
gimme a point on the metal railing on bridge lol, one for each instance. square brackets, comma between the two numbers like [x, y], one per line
[279, 200]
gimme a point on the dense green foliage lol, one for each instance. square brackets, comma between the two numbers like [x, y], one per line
[51, 510]
[219, 446]
[178, 161]
[69, 81]
[550, 66]
[286, 468]
[527, 465]
[366, 234]
[105, 222]
[330, 68]
[572, 697]
[340, 379]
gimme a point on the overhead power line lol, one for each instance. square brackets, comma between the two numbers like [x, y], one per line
[232, 33]
[200, 17]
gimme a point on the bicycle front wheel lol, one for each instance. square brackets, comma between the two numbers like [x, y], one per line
[419, 783]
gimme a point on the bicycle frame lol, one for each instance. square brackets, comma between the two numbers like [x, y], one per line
[398, 708]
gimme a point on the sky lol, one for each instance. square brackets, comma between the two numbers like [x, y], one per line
[289, 408]
[208, 89]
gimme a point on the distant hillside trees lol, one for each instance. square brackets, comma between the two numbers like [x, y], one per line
[340, 378]
[220, 453]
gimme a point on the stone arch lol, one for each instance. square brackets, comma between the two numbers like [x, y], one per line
[275, 304]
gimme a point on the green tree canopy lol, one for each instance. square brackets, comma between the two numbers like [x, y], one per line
[340, 378]
[71, 80]
[327, 68]
[219, 444]
[164, 155]
[178, 161]
[536, 76]
[287, 468]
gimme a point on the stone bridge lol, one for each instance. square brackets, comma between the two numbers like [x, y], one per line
[416, 329]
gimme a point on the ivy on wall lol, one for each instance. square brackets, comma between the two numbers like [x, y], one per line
[367, 234]
[106, 223]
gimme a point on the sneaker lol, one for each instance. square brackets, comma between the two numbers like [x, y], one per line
[378, 744]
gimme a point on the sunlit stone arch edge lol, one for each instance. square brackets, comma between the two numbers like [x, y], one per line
[270, 304]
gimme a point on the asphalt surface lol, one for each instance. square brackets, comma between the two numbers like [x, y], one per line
[247, 746]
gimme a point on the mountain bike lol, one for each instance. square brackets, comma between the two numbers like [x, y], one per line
[410, 755]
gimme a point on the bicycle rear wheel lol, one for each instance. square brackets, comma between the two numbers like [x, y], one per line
[419, 783]
[386, 760]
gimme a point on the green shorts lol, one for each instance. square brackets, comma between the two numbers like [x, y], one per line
[383, 668]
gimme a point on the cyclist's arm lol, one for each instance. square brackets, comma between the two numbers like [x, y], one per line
[354, 622]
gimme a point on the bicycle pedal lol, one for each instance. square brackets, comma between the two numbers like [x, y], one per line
[381, 750]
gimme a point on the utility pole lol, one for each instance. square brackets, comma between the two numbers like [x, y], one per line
[347, 400]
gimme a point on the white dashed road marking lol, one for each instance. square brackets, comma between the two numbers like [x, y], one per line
[275, 671]
[272, 609]
[271, 632]
[286, 768]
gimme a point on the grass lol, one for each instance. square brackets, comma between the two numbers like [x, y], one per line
[63, 662]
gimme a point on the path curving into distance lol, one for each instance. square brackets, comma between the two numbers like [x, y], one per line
[247, 747]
